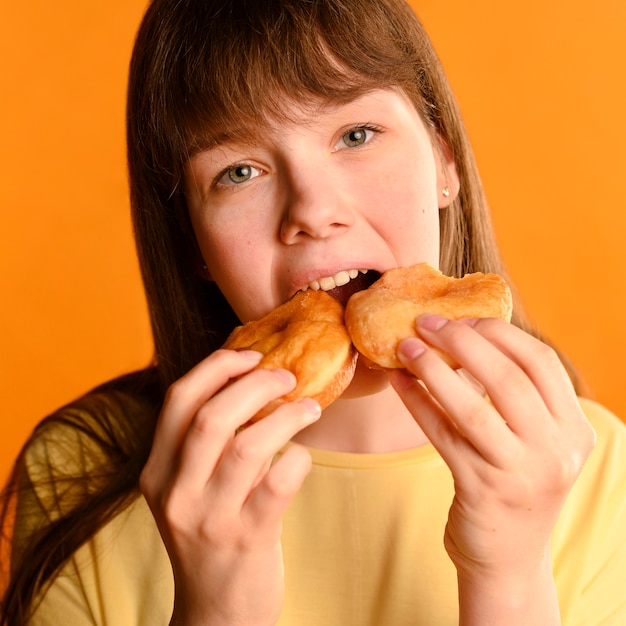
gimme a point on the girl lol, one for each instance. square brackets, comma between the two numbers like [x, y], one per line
[272, 144]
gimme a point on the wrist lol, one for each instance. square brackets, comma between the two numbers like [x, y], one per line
[519, 596]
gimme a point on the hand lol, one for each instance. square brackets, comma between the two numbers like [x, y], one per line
[514, 455]
[216, 496]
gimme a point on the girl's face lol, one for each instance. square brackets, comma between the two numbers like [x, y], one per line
[337, 188]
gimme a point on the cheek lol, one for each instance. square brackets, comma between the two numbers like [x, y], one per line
[404, 209]
[225, 241]
[235, 257]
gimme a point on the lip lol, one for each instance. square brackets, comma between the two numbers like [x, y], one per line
[304, 279]
[326, 283]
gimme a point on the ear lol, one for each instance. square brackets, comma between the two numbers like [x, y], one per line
[448, 184]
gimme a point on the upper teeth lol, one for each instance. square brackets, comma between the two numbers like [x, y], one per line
[330, 282]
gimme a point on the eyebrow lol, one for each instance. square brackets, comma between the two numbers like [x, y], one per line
[248, 132]
[203, 142]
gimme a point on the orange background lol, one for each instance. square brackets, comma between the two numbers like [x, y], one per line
[542, 93]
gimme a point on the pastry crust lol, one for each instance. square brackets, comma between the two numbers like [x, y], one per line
[378, 318]
[313, 337]
[306, 336]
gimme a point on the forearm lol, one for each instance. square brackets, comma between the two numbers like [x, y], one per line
[521, 599]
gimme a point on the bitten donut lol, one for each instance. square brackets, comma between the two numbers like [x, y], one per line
[306, 336]
[378, 318]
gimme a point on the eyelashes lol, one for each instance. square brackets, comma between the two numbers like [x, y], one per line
[237, 174]
[358, 136]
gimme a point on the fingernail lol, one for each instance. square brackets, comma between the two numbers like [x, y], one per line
[251, 355]
[430, 321]
[312, 407]
[285, 376]
[470, 321]
[410, 349]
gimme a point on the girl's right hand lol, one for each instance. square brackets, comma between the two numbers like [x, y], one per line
[216, 496]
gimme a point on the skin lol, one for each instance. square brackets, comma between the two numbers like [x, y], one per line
[322, 202]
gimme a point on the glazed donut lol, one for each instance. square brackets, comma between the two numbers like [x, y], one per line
[306, 336]
[378, 318]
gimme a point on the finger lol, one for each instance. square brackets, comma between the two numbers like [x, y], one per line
[185, 397]
[248, 457]
[267, 504]
[547, 373]
[214, 425]
[471, 414]
[538, 360]
[509, 388]
[437, 426]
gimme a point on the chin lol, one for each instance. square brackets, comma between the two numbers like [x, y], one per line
[366, 381]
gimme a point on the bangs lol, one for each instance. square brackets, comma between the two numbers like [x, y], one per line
[205, 71]
[235, 65]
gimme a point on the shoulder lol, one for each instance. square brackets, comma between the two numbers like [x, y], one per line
[83, 449]
[121, 575]
[588, 543]
[596, 506]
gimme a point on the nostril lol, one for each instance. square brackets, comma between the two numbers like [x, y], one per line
[292, 232]
[316, 215]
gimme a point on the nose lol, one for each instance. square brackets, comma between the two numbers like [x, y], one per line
[315, 207]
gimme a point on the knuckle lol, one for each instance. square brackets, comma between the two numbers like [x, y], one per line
[564, 471]
[474, 418]
[223, 356]
[184, 523]
[545, 354]
[507, 374]
[176, 392]
[283, 484]
[171, 511]
[204, 423]
[244, 448]
[279, 486]
[560, 472]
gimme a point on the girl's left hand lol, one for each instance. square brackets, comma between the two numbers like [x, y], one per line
[514, 454]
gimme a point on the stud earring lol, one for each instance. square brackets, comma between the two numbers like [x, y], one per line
[203, 272]
[445, 192]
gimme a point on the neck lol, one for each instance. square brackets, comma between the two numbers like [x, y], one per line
[360, 422]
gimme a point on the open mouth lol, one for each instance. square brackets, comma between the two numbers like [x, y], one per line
[345, 283]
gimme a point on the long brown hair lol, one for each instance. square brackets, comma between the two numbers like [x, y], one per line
[201, 70]
[216, 68]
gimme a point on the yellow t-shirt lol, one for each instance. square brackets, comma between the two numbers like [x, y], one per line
[363, 546]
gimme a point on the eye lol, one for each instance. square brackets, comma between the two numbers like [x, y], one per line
[358, 136]
[237, 174]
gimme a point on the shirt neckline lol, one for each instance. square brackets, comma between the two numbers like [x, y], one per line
[353, 460]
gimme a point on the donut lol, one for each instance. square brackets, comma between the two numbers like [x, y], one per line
[306, 336]
[378, 318]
